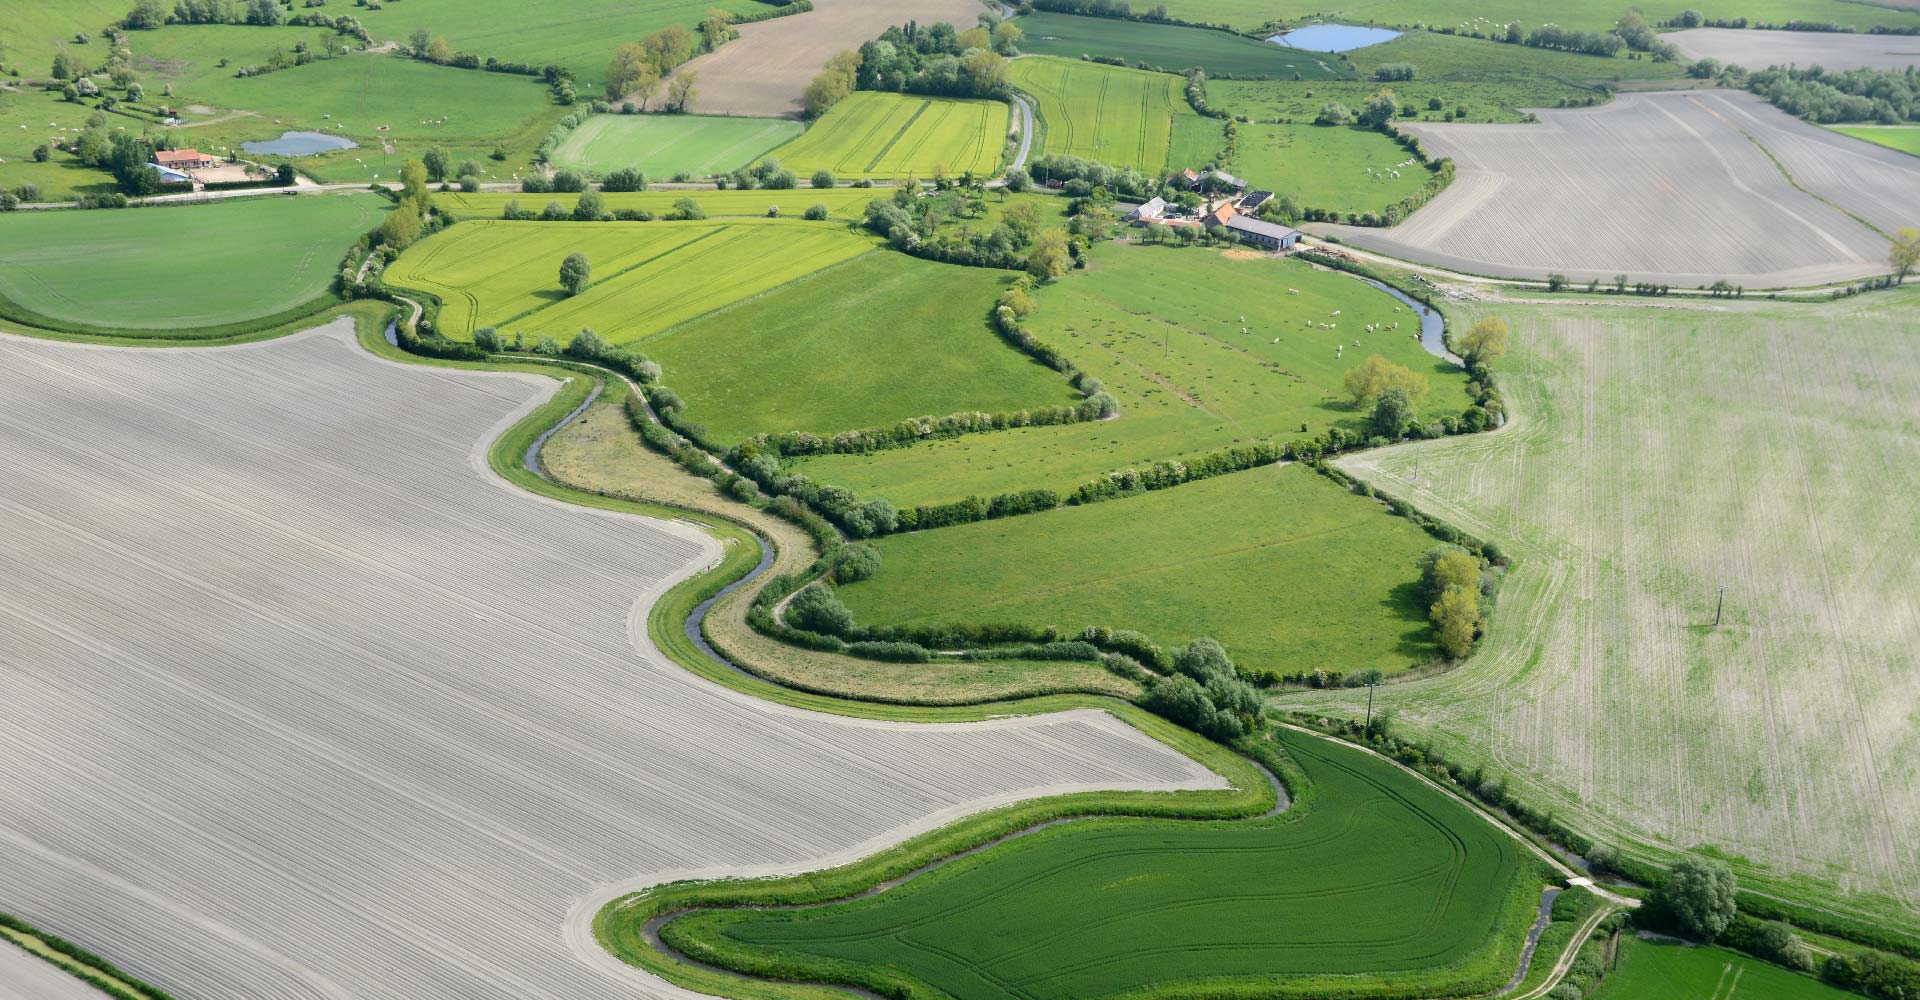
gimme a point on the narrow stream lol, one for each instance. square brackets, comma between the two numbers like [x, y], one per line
[1433, 326]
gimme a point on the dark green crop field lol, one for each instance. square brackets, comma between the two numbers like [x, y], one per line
[1173, 47]
[1372, 882]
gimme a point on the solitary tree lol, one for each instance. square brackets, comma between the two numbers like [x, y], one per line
[574, 273]
[1457, 617]
[630, 63]
[1048, 259]
[1486, 342]
[1699, 892]
[589, 208]
[680, 91]
[1392, 414]
[435, 160]
[715, 29]
[1904, 254]
[823, 178]
[413, 183]
[1376, 375]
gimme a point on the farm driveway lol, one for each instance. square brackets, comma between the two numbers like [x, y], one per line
[764, 71]
[303, 702]
[1683, 188]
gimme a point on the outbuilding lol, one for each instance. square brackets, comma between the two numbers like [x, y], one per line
[1262, 234]
[1151, 211]
[1250, 202]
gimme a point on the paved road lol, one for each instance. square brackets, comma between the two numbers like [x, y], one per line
[1026, 130]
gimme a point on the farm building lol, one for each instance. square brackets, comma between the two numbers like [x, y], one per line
[1151, 211]
[1266, 235]
[1220, 214]
[181, 159]
[1212, 180]
[1250, 202]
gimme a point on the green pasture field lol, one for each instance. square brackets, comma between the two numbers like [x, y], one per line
[385, 101]
[1654, 456]
[46, 118]
[1495, 81]
[878, 339]
[180, 266]
[36, 31]
[1173, 48]
[1659, 970]
[577, 34]
[1325, 166]
[665, 145]
[874, 340]
[647, 276]
[1584, 15]
[1287, 569]
[842, 203]
[1905, 138]
[1126, 117]
[1160, 327]
[1430, 900]
[880, 135]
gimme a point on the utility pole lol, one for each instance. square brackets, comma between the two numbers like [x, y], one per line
[1369, 729]
[1721, 606]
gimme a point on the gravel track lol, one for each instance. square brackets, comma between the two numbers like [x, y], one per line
[305, 703]
[1671, 187]
[1756, 49]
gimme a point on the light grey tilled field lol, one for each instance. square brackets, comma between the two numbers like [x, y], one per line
[302, 702]
[1758, 50]
[1682, 188]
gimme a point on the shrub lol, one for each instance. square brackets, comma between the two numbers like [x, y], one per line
[1699, 895]
[469, 183]
[823, 179]
[590, 207]
[535, 184]
[853, 563]
[687, 208]
[817, 213]
[816, 609]
[569, 182]
[895, 652]
[625, 179]
[489, 340]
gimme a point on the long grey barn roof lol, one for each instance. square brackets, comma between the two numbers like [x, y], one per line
[1250, 225]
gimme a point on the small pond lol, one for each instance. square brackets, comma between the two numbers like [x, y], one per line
[1334, 37]
[299, 144]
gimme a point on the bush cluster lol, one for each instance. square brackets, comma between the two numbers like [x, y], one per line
[1205, 693]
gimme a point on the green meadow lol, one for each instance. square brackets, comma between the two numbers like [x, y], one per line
[1371, 880]
[647, 276]
[1161, 327]
[1171, 47]
[880, 135]
[1327, 166]
[665, 145]
[1659, 970]
[1289, 570]
[178, 267]
[869, 342]
[577, 34]
[1583, 15]
[1494, 81]
[1905, 138]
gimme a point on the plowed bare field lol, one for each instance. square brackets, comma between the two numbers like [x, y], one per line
[1658, 455]
[1681, 188]
[764, 70]
[1827, 49]
[303, 703]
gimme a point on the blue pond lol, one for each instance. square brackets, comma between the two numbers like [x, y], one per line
[299, 144]
[1334, 37]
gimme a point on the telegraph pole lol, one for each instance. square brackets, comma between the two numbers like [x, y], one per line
[1720, 606]
[1369, 729]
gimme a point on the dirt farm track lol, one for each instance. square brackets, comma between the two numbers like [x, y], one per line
[1682, 188]
[304, 703]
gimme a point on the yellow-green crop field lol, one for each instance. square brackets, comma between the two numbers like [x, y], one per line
[647, 276]
[1126, 117]
[843, 203]
[872, 134]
